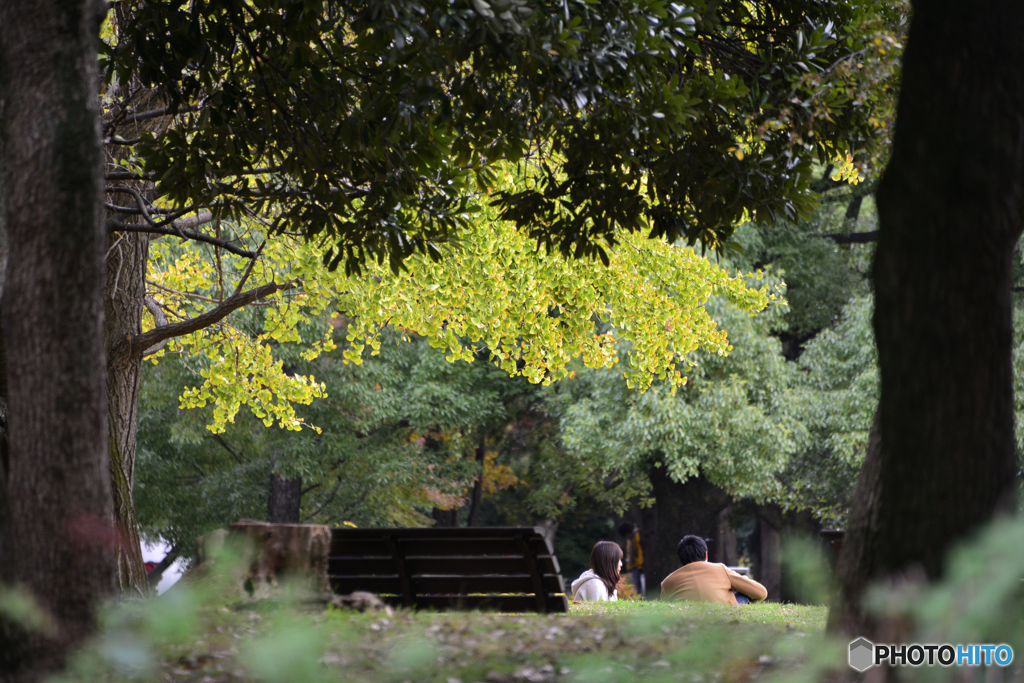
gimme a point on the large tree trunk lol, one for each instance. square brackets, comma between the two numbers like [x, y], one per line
[57, 538]
[950, 211]
[681, 509]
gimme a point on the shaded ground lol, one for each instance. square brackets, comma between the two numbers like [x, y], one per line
[176, 638]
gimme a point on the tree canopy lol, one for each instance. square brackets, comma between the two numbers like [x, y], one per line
[367, 126]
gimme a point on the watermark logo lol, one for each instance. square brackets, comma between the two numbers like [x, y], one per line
[864, 654]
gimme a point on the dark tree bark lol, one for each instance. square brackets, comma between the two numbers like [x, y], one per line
[681, 509]
[950, 212]
[125, 292]
[446, 517]
[859, 543]
[57, 480]
[284, 504]
[478, 485]
[725, 540]
[768, 551]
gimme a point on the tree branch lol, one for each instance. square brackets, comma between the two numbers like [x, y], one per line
[158, 571]
[151, 114]
[159, 320]
[224, 443]
[180, 228]
[854, 237]
[128, 175]
[141, 342]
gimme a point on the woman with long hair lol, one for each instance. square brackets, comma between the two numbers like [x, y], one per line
[598, 582]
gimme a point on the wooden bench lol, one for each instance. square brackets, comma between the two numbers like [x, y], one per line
[507, 569]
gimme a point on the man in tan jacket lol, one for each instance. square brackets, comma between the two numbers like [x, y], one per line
[704, 581]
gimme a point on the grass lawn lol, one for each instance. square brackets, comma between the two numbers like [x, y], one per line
[179, 638]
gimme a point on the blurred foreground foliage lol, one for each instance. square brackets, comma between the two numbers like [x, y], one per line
[197, 634]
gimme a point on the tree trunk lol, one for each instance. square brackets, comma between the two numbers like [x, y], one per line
[446, 517]
[478, 485]
[950, 212]
[124, 297]
[725, 540]
[57, 539]
[284, 504]
[859, 543]
[681, 509]
[768, 559]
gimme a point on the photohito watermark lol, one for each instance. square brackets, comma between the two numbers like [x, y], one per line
[864, 654]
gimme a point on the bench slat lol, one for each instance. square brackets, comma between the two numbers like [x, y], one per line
[361, 566]
[447, 585]
[439, 532]
[497, 568]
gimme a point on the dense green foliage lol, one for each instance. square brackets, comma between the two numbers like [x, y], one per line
[369, 125]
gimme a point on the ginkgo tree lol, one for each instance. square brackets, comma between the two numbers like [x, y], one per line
[532, 309]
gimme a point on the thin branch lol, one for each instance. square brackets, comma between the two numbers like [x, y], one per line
[159, 320]
[180, 229]
[138, 200]
[854, 237]
[328, 501]
[119, 141]
[188, 295]
[157, 572]
[155, 113]
[143, 341]
[248, 269]
[128, 175]
[224, 443]
[131, 211]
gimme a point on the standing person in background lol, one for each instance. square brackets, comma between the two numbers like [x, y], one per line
[634, 557]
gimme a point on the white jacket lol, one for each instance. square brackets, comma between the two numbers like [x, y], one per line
[590, 587]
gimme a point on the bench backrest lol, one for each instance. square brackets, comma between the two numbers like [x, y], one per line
[510, 569]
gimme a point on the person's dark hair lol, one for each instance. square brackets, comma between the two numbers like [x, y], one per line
[692, 549]
[626, 529]
[604, 560]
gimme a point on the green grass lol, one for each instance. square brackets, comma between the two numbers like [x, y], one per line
[594, 642]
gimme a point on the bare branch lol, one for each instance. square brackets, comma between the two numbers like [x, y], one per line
[119, 141]
[128, 175]
[181, 228]
[152, 114]
[854, 237]
[138, 200]
[188, 295]
[159, 320]
[248, 269]
[224, 443]
[141, 342]
[157, 572]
